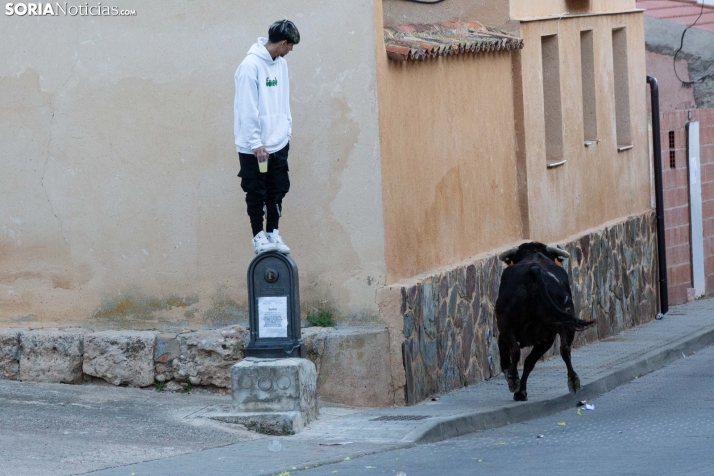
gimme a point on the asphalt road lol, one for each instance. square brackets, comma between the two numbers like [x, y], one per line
[56, 429]
[659, 424]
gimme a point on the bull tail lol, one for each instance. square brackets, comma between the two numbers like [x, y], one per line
[580, 325]
[563, 318]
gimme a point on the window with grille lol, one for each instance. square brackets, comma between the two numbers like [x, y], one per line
[672, 153]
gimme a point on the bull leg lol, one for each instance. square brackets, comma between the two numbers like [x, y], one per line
[566, 342]
[510, 354]
[536, 353]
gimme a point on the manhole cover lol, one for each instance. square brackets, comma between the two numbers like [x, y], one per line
[401, 418]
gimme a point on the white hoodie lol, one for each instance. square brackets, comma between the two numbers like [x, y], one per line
[262, 101]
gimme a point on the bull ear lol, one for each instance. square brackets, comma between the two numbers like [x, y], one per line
[559, 251]
[506, 255]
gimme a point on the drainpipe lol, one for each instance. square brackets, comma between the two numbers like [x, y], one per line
[659, 200]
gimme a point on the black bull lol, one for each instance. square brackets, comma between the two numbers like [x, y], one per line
[534, 305]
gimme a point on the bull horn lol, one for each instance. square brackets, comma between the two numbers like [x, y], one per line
[558, 251]
[507, 254]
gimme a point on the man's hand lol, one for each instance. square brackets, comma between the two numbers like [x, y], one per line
[261, 153]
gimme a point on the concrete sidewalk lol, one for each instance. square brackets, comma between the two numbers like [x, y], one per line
[602, 366]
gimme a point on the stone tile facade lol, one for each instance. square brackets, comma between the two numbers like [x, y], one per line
[449, 323]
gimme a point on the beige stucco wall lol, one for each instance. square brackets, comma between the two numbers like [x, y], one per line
[121, 205]
[529, 9]
[448, 159]
[488, 12]
[597, 183]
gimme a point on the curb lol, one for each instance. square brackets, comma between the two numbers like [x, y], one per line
[451, 427]
[335, 460]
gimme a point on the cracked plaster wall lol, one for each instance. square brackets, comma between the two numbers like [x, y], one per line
[119, 183]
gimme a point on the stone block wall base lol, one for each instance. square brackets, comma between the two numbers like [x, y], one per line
[355, 368]
[9, 354]
[275, 385]
[51, 356]
[120, 357]
[267, 423]
[206, 357]
[352, 363]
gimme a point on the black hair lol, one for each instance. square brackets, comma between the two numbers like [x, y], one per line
[284, 30]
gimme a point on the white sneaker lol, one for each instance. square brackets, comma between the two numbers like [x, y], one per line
[277, 240]
[261, 243]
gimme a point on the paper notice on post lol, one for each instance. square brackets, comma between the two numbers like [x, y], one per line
[273, 316]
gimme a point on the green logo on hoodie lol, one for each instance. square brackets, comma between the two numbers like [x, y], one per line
[271, 82]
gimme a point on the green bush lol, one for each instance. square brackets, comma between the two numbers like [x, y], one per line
[320, 318]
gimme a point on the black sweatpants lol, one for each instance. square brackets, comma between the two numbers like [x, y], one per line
[265, 191]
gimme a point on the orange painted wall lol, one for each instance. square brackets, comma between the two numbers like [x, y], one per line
[452, 161]
[448, 154]
[597, 183]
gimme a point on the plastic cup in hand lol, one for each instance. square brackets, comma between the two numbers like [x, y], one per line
[263, 163]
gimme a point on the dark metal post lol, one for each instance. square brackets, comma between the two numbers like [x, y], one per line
[659, 200]
[274, 307]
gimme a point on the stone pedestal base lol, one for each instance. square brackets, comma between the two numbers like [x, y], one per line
[269, 423]
[261, 386]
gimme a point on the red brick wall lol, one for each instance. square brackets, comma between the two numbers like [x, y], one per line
[706, 140]
[676, 199]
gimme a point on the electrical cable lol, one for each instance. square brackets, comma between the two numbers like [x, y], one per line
[425, 2]
[688, 84]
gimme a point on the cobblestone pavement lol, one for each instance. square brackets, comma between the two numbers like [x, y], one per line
[602, 366]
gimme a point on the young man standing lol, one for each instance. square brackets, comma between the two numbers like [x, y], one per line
[263, 129]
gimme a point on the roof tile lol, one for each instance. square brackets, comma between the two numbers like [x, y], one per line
[419, 41]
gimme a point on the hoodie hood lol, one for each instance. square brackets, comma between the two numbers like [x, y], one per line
[262, 101]
[260, 50]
